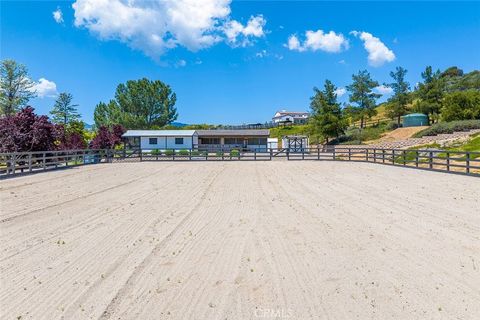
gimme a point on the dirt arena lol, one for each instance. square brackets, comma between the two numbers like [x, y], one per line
[240, 240]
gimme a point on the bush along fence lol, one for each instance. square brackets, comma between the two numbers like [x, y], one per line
[192, 155]
[435, 160]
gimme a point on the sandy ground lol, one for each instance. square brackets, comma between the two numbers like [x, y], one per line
[401, 133]
[241, 240]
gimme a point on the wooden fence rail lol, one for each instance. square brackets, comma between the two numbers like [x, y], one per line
[30, 162]
[436, 160]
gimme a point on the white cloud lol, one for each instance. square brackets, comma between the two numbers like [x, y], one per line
[294, 44]
[157, 25]
[383, 89]
[261, 54]
[378, 53]
[45, 88]
[253, 29]
[319, 40]
[181, 63]
[58, 15]
[340, 91]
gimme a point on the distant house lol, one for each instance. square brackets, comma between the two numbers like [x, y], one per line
[285, 116]
[233, 139]
[161, 139]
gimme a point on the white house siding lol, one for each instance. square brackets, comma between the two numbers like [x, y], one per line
[168, 143]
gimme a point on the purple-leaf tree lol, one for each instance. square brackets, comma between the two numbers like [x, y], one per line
[107, 138]
[26, 131]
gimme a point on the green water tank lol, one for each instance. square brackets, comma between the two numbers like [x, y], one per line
[415, 120]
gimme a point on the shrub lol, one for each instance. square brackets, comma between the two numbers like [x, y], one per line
[234, 153]
[155, 152]
[392, 125]
[219, 153]
[449, 127]
[169, 152]
[196, 153]
[183, 152]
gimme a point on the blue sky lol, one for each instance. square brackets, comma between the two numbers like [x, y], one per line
[231, 63]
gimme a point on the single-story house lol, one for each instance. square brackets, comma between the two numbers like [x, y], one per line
[233, 139]
[161, 139]
[285, 116]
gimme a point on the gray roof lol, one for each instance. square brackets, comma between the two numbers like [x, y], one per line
[159, 133]
[232, 133]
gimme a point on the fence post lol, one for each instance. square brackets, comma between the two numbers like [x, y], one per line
[467, 163]
[374, 155]
[366, 155]
[30, 162]
[383, 155]
[430, 160]
[318, 152]
[288, 153]
[190, 154]
[303, 153]
[334, 149]
[416, 158]
[44, 161]
[271, 153]
[448, 161]
[393, 156]
[255, 154]
[349, 154]
[404, 158]
[141, 155]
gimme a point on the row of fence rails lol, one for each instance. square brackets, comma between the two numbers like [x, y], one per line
[437, 160]
[267, 125]
[370, 123]
[29, 162]
[348, 154]
[195, 154]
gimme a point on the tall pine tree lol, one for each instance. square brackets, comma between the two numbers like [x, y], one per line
[362, 96]
[398, 102]
[327, 118]
[64, 112]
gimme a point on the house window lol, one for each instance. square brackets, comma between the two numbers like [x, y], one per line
[257, 141]
[234, 141]
[178, 140]
[152, 140]
[210, 140]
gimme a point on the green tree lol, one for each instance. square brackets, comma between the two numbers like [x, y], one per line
[107, 114]
[398, 103]
[363, 97]
[461, 105]
[327, 118]
[64, 111]
[139, 104]
[430, 93]
[16, 88]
